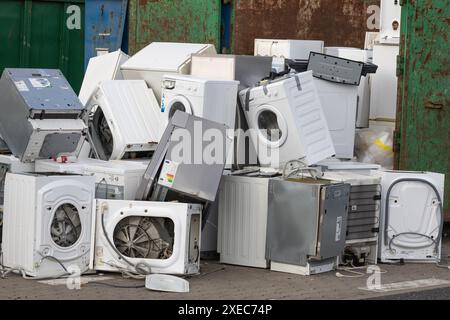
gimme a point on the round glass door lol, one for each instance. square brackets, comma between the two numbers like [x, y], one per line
[271, 126]
[179, 103]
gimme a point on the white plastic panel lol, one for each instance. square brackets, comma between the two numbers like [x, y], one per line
[390, 14]
[243, 221]
[100, 68]
[289, 49]
[383, 99]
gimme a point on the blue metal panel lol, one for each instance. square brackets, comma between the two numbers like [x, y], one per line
[105, 21]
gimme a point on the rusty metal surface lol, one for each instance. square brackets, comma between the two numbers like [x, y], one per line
[337, 22]
[195, 21]
[423, 111]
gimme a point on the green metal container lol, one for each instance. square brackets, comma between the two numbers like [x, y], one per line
[196, 21]
[423, 112]
[43, 34]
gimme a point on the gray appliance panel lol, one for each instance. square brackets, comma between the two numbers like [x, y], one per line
[252, 69]
[335, 69]
[44, 89]
[333, 220]
[292, 229]
[3, 146]
[196, 180]
[297, 233]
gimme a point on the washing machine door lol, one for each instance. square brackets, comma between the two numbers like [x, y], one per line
[270, 125]
[179, 103]
[413, 214]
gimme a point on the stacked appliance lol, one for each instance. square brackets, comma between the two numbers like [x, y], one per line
[287, 121]
[162, 58]
[41, 115]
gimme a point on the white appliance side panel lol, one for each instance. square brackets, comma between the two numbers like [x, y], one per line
[309, 118]
[383, 100]
[165, 56]
[339, 104]
[133, 111]
[391, 12]
[100, 68]
[243, 221]
[213, 68]
[19, 221]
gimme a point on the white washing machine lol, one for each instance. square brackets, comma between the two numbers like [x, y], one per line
[160, 58]
[339, 102]
[411, 216]
[76, 166]
[213, 100]
[165, 236]
[48, 223]
[287, 121]
[126, 120]
[101, 68]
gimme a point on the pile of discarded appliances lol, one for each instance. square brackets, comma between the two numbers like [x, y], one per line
[178, 152]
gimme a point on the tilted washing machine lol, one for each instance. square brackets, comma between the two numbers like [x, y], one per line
[411, 216]
[287, 121]
[126, 121]
[161, 237]
[48, 223]
[41, 114]
[101, 68]
[161, 58]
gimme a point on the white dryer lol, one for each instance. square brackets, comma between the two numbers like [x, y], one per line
[411, 216]
[162, 236]
[126, 121]
[287, 121]
[160, 58]
[339, 102]
[213, 100]
[48, 223]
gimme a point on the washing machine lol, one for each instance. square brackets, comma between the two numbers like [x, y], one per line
[126, 121]
[48, 223]
[101, 68]
[75, 166]
[287, 121]
[41, 114]
[161, 58]
[411, 216]
[163, 236]
[213, 100]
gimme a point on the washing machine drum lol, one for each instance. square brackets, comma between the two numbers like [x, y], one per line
[270, 125]
[179, 103]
